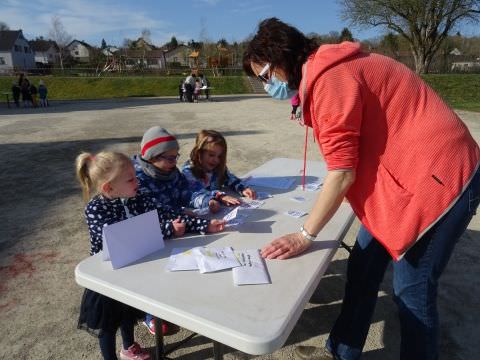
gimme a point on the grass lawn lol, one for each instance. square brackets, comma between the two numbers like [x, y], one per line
[461, 91]
[72, 88]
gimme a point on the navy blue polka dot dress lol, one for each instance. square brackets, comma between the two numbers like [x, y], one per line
[98, 313]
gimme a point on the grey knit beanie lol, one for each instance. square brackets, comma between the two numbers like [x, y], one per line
[156, 141]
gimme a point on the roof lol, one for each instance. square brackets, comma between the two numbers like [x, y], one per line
[8, 38]
[42, 45]
[80, 42]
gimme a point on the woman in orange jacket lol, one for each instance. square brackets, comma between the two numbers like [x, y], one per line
[403, 159]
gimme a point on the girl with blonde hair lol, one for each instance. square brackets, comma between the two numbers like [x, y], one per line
[207, 173]
[108, 180]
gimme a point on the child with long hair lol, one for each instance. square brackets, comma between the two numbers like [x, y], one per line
[108, 180]
[207, 173]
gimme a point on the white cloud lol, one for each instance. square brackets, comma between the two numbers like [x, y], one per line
[81, 19]
[209, 2]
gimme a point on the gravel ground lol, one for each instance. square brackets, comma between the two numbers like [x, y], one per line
[43, 236]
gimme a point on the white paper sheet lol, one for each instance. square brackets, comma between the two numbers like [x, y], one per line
[262, 195]
[182, 259]
[215, 259]
[235, 217]
[253, 269]
[130, 240]
[296, 213]
[253, 204]
[275, 182]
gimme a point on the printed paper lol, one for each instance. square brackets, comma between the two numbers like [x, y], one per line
[215, 259]
[253, 269]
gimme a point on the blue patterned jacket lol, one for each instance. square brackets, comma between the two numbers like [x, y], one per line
[174, 193]
[205, 190]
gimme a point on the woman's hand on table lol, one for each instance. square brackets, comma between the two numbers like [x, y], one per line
[286, 246]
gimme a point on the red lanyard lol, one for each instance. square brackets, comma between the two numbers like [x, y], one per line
[305, 158]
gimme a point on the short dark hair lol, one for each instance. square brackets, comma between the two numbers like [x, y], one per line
[282, 46]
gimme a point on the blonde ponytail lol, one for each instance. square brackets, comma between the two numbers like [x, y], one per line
[93, 170]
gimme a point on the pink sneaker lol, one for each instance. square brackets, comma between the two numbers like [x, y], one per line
[134, 352]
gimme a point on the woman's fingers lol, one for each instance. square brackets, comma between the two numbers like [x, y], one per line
[285, 247]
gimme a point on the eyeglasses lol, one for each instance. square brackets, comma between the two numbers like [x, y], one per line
[172, 158]
[263, 74]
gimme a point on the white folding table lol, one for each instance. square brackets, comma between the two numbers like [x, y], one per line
[254, 319]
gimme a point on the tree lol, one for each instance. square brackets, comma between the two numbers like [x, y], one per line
[60, 36]
[423, 23]
[346, 35]
[104, 44]
[3, 26]
[173, 44]
[391, 44]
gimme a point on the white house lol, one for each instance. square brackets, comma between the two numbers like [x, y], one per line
[46, 52]
[15, 52]
[79, 50]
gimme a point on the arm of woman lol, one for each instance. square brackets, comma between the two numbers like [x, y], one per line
[335, 186]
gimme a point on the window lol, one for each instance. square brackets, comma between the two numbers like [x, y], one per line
[76, 52]
[26, 49]
[2, 61]
[18, 48]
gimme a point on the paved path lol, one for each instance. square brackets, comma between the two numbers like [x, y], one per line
[43, 237]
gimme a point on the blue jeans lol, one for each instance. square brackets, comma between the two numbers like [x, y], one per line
[415, 282]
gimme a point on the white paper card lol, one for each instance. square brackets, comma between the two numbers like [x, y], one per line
[275, 182]
[182, 259]
[235, 218]
[295, 213]
[215, 259]
[253, 204]
[253, 269]
[314, 186]
[130, 240]
[262, 195]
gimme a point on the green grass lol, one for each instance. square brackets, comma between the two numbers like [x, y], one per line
[73, 88]
[460, 91]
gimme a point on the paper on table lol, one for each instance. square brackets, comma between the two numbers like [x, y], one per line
[295, 213]
[262, 195]
[253, 204]
[253, 269]
[182, 259]
[275, 182]
[234, 217]
[215, 259]
[130, 240]
[314, 186]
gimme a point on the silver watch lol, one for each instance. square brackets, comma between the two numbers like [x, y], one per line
[306, 234]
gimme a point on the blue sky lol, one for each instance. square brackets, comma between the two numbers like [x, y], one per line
[234, 20]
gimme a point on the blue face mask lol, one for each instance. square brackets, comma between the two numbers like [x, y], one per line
[278, 89]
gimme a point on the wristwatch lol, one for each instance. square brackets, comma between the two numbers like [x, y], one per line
[306, 234]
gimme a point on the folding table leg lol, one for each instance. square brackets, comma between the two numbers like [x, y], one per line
[159, 348]
[346, 247]
[217, 351]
